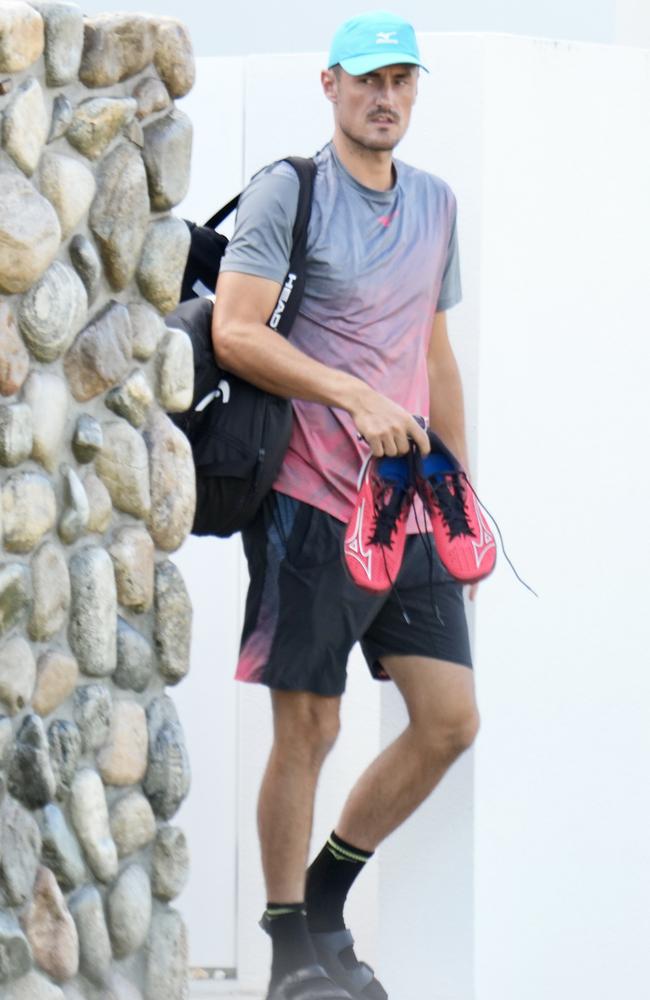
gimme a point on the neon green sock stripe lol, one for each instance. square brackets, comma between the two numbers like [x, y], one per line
[281, 912]
[343, 854]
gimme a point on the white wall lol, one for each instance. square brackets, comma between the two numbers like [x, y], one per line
[562, 799]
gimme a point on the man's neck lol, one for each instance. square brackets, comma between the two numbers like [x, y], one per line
[371, 167]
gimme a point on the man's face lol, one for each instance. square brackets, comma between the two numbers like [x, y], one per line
[373, 110]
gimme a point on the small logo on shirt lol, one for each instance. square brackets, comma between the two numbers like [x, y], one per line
[387, 219]
[385, 38]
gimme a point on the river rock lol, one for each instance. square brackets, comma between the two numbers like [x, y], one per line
[129, 910]
[25, 125]
[51, 592]
[173, 58]
[64, 741]
[93, 621]
[152, 96]
[97, 121]
[167, 780]
[70, 186]
[133, 824]
[14, 359]
[148, 327]
[89, 814]
[6, 736]
[161, 267]
[173, 483]
[101, 354]
[116, 46]
[76, 510]
[51, 930]
[101, 509]
[120, 213]
[123, 759]
[21, 850]
[135, 659]
[30, 233]
[123, 467]
[121, 988]
[167, 158]
[47, 396]
[33, 986]
[132, 552]
[175, 372]
[132, 399]
[21, 36]
[29, 510]
[61, 852]
[135, 133]
[167, 957]
[57, 676]
[92, 709]
[170, 864]
[15, 595]
[173, 622]
[64, 35]
[31, 778]
[15, 434]
[95, 954]
[87, 439]
[62, 115]
[17, 674]
[53, 311]
[86, 263]
[15, 953]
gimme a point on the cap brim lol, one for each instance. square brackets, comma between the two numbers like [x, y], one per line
[359, 65]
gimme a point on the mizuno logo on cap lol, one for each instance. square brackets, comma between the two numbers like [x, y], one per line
[384, 38]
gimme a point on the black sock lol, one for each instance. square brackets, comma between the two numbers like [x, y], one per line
[292, 947]
[329, 879]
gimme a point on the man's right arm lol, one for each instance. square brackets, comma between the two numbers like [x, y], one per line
[246, 346]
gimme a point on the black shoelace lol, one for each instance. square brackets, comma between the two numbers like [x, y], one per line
[449, 497]
[387, 514]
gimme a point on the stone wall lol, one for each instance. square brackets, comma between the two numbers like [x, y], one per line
[96, 489]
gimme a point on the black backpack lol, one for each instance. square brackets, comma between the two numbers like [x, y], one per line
[238, 433]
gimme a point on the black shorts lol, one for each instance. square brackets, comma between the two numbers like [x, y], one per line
[304, 614]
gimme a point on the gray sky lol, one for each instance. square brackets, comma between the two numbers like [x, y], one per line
[229, 28]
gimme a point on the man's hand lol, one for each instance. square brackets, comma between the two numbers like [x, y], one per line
[387, 427]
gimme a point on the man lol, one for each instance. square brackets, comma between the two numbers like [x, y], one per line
[368, 352]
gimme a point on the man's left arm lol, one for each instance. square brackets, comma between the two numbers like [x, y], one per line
[446, 403]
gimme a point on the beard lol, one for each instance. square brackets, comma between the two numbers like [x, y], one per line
[374, 144]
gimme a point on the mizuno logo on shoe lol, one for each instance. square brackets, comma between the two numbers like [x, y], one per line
[485, 541]
[354, 544]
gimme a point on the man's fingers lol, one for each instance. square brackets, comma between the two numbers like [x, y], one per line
[420, 436]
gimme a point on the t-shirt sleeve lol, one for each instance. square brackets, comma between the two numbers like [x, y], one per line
[262, 241]
[451, 292]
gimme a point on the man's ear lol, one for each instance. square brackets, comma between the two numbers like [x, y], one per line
[328, 82]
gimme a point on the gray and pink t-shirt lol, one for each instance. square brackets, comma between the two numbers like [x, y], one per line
[380, 264]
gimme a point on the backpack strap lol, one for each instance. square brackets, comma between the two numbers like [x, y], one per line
[223, 213]
[286, 307]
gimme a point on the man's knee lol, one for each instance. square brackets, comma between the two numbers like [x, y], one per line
[305, 725]
[451, 736]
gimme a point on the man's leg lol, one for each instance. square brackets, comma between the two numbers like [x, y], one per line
[443, 721]
[305, 728]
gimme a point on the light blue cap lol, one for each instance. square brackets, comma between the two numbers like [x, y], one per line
[373, 40]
